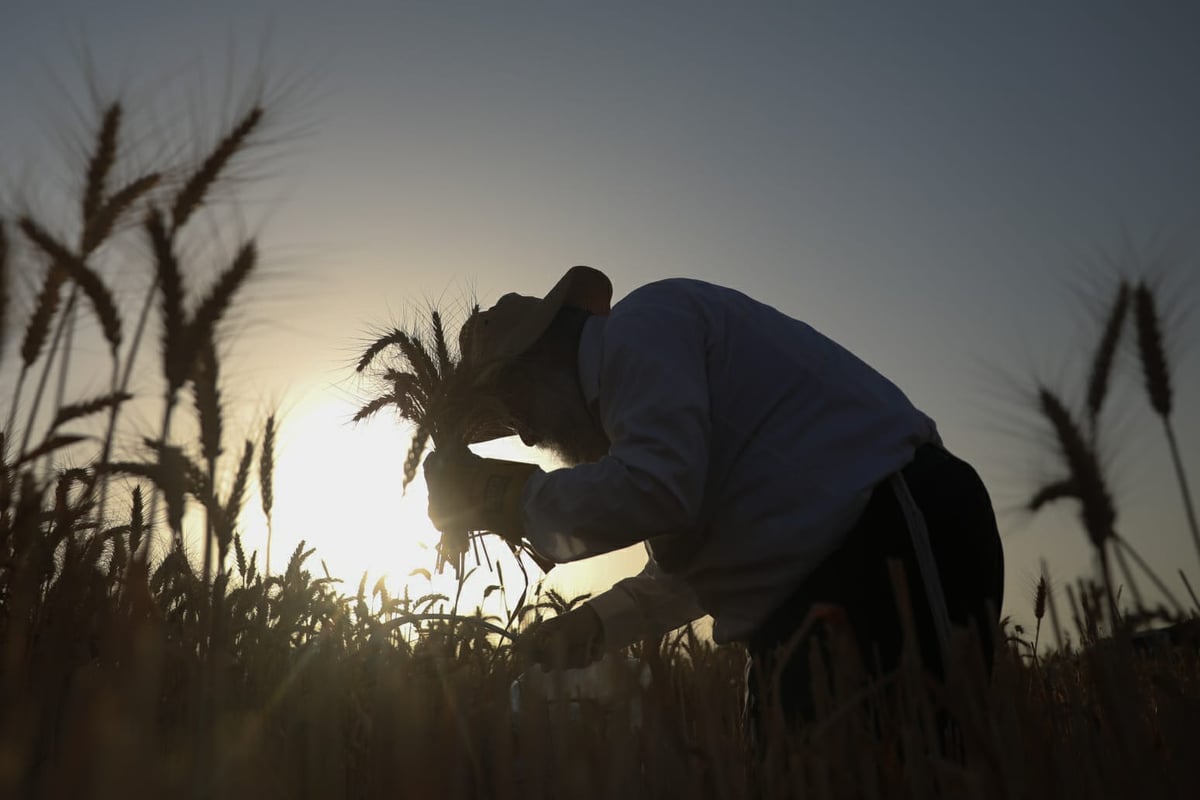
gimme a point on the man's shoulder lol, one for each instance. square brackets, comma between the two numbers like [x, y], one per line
[670, 291]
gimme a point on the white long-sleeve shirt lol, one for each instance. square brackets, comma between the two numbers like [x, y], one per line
[744, 446]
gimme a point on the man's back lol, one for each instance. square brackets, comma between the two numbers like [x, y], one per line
[768, 434]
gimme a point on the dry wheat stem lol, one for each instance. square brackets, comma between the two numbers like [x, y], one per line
[1124, 545]
[1187, 585]
[1127, 573]
[1177, 460]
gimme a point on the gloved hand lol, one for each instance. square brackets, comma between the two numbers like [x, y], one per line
[470, 493]
[571, 640]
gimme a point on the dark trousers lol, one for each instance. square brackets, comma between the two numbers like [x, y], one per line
[856, 581]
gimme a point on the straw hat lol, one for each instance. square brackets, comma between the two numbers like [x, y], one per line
[492, 338]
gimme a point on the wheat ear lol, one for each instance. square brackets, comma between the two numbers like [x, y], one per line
[101, 223]
[196, 187]
[84, 277]
[1040, 591]
[1102, 362]
[213, 306]
[1155, 368]
[38, 328]
[101, 162]
[207, 396]
[1098, 511]
[266, 481]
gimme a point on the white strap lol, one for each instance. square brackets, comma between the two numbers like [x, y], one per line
[925, 562]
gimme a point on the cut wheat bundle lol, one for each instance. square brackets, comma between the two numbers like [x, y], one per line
[432, 387]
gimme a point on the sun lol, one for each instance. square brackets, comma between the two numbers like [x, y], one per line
[339, 489]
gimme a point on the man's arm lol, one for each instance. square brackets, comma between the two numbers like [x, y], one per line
[645, 605]
[654, 405]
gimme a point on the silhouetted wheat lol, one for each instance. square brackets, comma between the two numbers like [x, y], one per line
[84, 277]
[432, 389]
[101, 224]
[38, 328]
[1102, 361]
[86, 408]
[101, 163]
[1086, 477]
[213, 306]
[1157, 374]
[192, 194]
[1040, 592]
[169, 283]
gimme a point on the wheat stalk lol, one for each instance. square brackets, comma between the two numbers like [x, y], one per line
[432, 390]
[86, 408]
[170, 285]
[1102, 362]
[207, 396]
[135, 522]
[1152, 350]
[266, 482]
[37, 330]
[196, 187]
[1157, 375]
[103, 158]
[101, 223]
[1096, 506]
[1087, 479]
[84, 277]
[1040, 592]
[212, 306]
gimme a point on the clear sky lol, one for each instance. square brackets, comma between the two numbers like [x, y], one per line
[942, 187]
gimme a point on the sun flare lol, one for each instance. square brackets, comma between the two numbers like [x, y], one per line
[338, 489]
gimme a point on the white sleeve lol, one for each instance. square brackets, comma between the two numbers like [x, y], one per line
[654, 400]
[647, 604]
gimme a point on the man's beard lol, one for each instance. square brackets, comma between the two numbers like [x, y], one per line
[581, 443]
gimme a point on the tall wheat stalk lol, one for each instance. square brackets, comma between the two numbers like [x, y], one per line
[1156, 372]
[266, 484]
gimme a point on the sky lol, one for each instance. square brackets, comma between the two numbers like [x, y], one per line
[948, 189]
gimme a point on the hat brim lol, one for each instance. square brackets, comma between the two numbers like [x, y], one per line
[493, 338]
[509, 328]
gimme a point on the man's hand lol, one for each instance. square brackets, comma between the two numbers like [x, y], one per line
[470, 493]
[571, 640]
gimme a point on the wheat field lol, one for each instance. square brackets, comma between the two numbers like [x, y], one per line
[134, 663]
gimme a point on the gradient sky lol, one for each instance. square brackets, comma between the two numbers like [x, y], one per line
[943, 188]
